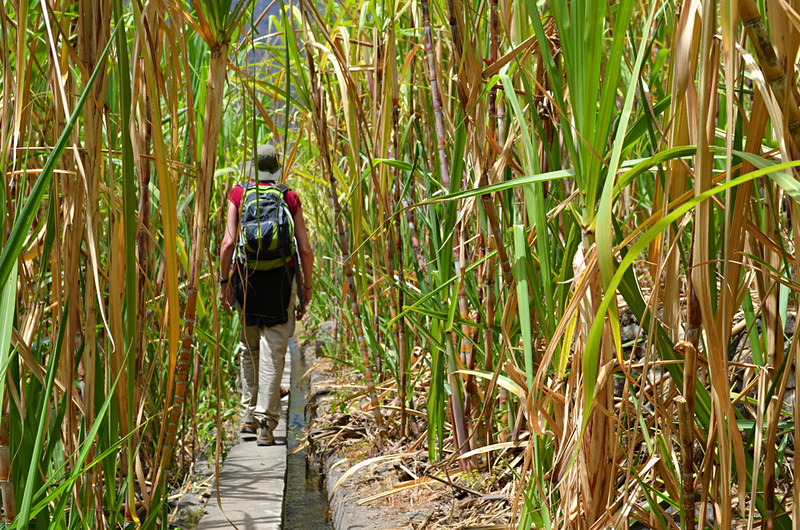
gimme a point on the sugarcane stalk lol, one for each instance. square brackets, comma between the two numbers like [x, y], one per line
[494, 46]
[318, 113]
[488, 339]
[774, 411]
[205, 180]
[481, 427]
[453, 11]
[784, 94]
[685, 421]
[686, 427]
[411, 221]
[143, 133]
[465, 348]
[507, 416]
[93, 35]
[413, 234]
[490, 241]
[489, 206]
[460, 434]
[7, 105]
[376, 298]
[455, 398]
[455, 33]
[773, 332]
[597, 441]
[68, 199]
[397, 256]
[6, 484]
[694, 321]
[773, 71]
[436, 96]
[502, 129]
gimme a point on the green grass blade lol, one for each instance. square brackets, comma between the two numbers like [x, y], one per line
[7, 306]
[523, 303]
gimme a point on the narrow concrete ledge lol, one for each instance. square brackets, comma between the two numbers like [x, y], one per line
[251, 482]
[347, 515]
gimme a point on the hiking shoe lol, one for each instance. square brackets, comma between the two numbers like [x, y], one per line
[248, 427]
[265, 437]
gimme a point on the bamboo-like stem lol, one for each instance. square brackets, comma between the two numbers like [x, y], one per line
[773, 333]
[69, 194]
[321, 133]
[7, 106]
[465, 348]
[599, 430]
[6, 484]
[489, 240]
[507, 416]
[694, 321]
[93, 35]
[701, 274]
[685, 421]
[773, 71]
[494, 45]
[686, 425]
[398, 255]
[411, 221]
[488, 340]
[453, 12]
[489, 206]
[205, 181]
[792, 360]
[460, 434]
[456, 403]
[784, 94]
[380, 253]
[436, 96]
[455, 32]
[143, 135]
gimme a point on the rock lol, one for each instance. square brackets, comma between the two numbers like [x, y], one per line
[676, 516]
[629, 332]
[326, 334]
[189, 499]
[190, 509]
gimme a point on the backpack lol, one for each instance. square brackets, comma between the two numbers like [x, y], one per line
[266, 227]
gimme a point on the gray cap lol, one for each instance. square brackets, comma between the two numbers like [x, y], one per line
[269, 168]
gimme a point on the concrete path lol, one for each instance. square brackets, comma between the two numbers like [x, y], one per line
[251, 481]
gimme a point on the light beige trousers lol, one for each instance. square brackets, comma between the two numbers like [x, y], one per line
[263, 355]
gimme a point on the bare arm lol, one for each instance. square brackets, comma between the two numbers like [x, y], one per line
[228, 240]
[306, 258]
[226, 254]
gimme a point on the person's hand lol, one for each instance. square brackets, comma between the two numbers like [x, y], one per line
[226, 296]
[300, 311]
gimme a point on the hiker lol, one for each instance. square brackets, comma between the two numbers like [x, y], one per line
[265, 282]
